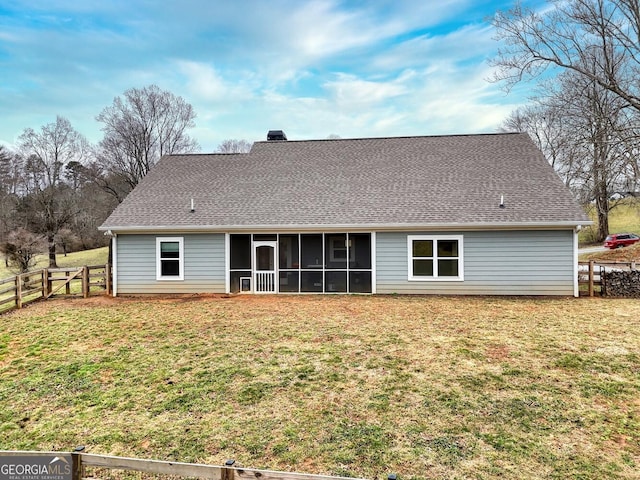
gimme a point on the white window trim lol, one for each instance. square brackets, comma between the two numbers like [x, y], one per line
[435, 278]
[174, 278]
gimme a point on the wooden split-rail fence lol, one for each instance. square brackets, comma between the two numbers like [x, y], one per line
[82, 466]
[17, 291]
[590, 273]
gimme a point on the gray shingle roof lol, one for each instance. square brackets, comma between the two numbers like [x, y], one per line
[434, 181]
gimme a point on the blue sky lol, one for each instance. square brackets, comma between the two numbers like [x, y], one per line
[350, 68]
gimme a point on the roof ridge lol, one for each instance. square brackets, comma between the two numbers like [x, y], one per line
[449, 135]
[205, 154]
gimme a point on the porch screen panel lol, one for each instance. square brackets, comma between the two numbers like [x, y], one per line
[312, 255]
[236, 277]
[289, 253]
[289, 281]
[336, 251]
[360, 282]
[239, 261]
[360, 251]
[311, 281]
[335, 282]
[240, 246]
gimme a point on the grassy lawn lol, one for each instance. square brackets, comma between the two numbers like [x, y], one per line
[426, 387]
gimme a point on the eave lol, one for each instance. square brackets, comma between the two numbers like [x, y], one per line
[400, 227]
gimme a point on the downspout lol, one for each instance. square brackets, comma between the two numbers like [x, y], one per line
[114, 265]
[227, 263]
[374, 257]
[576, 290]
[113, 260]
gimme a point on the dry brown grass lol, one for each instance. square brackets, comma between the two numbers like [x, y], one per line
[427, 387]
[626, 254]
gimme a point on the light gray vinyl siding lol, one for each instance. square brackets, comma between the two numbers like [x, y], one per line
[204, 265]
[495, 263]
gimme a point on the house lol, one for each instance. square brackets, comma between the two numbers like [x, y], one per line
[457, 214]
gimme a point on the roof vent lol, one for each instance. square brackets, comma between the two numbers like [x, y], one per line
[276, 135]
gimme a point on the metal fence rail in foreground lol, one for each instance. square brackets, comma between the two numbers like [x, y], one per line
[84, 466]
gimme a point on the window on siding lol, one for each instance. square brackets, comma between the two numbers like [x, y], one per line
[170, 258]
[436, 257]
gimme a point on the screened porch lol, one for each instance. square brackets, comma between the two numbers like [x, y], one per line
[301, 263]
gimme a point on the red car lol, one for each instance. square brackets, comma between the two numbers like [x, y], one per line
[618, 240]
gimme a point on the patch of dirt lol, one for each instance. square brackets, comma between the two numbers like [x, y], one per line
[108, 300]
[498, 352]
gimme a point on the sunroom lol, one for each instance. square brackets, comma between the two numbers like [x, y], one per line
[301, 263]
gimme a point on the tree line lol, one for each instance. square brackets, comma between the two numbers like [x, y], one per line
[56, 188]
[584, 59]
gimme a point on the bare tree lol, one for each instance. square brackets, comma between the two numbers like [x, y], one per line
[543, 121]
[574, 35]
[21, 249]
[10, 171]
[113, 183]
[46, 205]
[234, 146]
[583, 130]
[10, 175]
[67, 239]
[141, 127]
[596, 117]
[594, 48]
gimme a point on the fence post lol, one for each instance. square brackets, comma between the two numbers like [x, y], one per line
[633, 265]
[107, 278]
[85, 281]
[77, 469]
[67, 287]
[19, 290]
[591, 267]
[227, 472]
[45, 282]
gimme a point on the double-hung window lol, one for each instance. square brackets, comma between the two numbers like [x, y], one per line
[435, 257]
[169, 258]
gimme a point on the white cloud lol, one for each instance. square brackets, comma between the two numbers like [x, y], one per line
[318, 30]
[349, 91]
[471, 43]
[204, 83]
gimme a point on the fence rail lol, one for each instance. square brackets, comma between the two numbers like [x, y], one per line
[83, 463]
[590, 273]
[17, 291]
